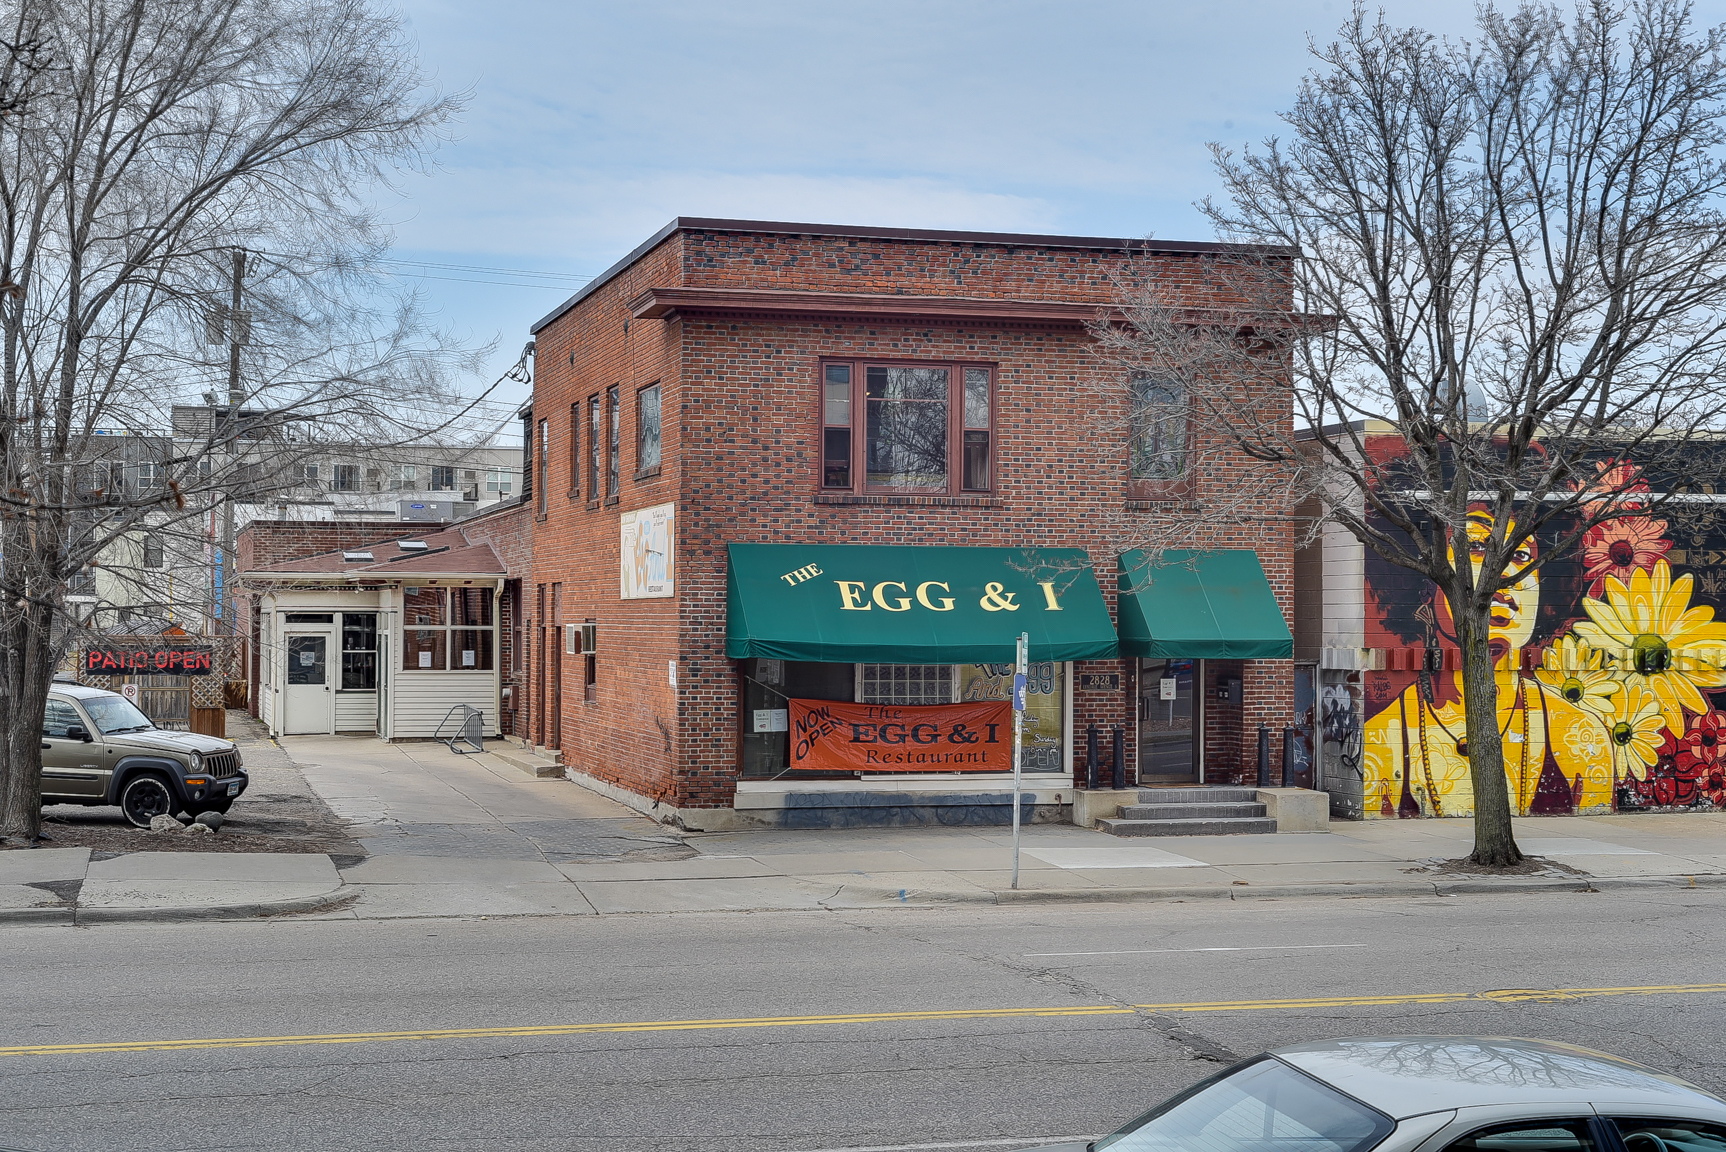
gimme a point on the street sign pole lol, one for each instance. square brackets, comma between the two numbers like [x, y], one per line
[1019, 670]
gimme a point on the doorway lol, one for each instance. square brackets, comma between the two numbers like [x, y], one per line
[309, 705]
[1166, 748]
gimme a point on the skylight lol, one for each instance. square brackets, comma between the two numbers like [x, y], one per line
[412, 545]
[352, 556]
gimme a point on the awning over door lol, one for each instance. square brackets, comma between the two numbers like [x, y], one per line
[869, 604]
[1200, 606]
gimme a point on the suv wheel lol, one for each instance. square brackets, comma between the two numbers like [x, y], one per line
[147, 796]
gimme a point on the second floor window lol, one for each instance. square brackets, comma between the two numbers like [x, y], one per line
[1157, 432]
[647, 430]
[442, 478]
[595, 448]
[152, 551]
[907, 427]
[405, 477]
[543, 480]
[499, 480]
[347, 478]
[615, 419]
[307, 475]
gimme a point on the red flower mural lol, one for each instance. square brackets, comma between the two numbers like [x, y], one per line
[1619, 547]
[1700, 750]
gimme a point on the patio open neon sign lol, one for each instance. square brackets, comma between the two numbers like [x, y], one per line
[159, 661]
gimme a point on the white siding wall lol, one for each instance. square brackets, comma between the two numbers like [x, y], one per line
[422, 699]
[267, 706]
[1344, 589]
[356, 711]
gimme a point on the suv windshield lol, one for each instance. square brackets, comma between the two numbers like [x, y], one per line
[1265, 1106]
[114, 714]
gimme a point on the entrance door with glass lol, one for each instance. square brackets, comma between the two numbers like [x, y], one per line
[1166, 752]
[309, 704]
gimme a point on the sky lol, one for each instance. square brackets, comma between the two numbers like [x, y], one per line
[589, 126]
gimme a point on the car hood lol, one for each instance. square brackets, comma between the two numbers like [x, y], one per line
[163, 740]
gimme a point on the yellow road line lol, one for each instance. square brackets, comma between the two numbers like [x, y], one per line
[1495, 996]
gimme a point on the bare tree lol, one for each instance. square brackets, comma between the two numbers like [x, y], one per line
[1503, 315]
[145, 143]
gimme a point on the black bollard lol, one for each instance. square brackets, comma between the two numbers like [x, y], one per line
[1120, 759]
[1289, 735]
[1264, 756]
[1090, 756]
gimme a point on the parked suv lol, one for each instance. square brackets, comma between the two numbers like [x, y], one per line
[99, 749]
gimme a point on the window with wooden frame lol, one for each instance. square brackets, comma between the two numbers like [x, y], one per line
[595, 450]
[647, 442]
[907, 427]
[1159, 431]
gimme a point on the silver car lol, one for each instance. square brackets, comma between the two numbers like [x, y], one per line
[1429, 1094]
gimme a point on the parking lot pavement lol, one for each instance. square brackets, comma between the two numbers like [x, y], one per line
[421, 799]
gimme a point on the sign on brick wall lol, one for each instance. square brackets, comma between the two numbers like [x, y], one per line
[646, 553]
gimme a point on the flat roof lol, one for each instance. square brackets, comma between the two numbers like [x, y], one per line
[936, 235]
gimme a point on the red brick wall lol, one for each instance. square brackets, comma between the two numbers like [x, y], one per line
[509, 531]
[740, 444]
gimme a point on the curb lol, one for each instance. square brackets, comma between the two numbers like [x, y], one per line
[60, 914]
[297, 904]
[1345, 890]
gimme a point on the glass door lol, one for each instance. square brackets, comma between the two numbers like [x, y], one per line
[1166, 754]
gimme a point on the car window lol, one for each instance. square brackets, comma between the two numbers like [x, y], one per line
[115, 713]
[58, 715]
[1264, 1106]
[1671, 1136]
[1539, 1136]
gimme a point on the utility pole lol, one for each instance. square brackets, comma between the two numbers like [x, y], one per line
[238, 331]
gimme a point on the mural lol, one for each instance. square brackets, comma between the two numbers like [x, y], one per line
[1607, 667]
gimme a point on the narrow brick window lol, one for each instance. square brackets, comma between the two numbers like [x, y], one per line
[595, 449]
[647, 451]
[589, 663]
[911, 428]
[614, 418]
[836, 426]
[543, 481]
[575, 450]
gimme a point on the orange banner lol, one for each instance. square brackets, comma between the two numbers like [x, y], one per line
[833, 734]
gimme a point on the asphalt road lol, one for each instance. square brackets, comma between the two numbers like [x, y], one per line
[536, 1080]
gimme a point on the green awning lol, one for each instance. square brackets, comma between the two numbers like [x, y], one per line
[1200, 606]
[877, 604]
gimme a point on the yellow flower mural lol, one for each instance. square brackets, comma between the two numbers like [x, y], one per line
[1577, 672]
[1660, 642]
[1636, 729]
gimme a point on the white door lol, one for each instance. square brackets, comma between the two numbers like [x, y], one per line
[310, 703]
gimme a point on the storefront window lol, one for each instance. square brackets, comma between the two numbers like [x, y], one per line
[1044, 741]
[359, 651]
[448, 629]
[768, 685]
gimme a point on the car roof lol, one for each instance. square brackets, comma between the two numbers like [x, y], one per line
[79, 691]
[1410, 1075]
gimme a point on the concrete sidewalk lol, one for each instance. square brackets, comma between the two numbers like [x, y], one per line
[482, 835]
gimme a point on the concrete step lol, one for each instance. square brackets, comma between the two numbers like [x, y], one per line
[530, 762]
[1207, 827]
[1190, 811]
[1198, 795]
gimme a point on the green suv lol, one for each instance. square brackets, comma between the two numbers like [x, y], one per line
[97, 748]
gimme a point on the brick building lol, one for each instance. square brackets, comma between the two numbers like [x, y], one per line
[777, 471]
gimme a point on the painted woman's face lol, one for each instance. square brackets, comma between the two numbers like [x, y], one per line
[1513, 609]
